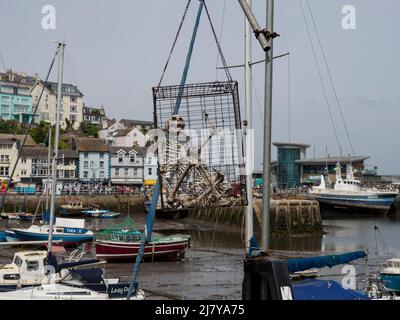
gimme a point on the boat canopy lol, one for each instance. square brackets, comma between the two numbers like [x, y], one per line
[312, 289]
[295, 265]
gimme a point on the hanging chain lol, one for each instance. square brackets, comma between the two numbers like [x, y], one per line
[225, 65]
[175, 41]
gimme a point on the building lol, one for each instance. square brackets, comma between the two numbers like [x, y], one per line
[128, 138]
[15, 98]
[288, 170]
[144, 126]
[150, 169]
[312, 169]
[93, 160]
[35, 165]
[127, 165]
[67, 166]
[94, 116]
[71, 106]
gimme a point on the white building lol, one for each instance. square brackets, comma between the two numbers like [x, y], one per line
[127, 165]
[150, 169]
[71, 105]
[129, 138]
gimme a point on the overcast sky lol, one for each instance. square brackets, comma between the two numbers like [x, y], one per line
[117, 49]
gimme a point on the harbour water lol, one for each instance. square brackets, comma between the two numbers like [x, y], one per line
[213, 267]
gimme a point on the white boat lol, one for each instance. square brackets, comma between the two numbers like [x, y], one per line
[348, 193]
[59, 291]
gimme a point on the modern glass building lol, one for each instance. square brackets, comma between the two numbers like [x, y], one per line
[288, 171]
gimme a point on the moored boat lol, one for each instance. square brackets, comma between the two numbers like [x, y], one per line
[390, 275]
[124, 245]
[101, 214]
[72, 208]
[66, 230]
[348, 193]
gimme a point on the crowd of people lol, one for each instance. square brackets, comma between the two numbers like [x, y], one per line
[95, 189]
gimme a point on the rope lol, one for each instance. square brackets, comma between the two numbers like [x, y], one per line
[3, 63]
[220, 36]
[225, 65]
[174, 44]
[320, 76]
[331, 79]
[22, 146]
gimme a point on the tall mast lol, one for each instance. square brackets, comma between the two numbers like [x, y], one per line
[61, 47]
[48, 173]
[249, 132]
[267, 132]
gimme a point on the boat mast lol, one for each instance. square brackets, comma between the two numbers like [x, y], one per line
[48, 173]
[61, 47]
[248, 133]
[267, 132]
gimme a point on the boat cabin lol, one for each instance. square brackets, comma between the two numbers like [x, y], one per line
[391, 266]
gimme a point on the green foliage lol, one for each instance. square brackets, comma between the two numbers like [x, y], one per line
[40, 132]
[90, 130]
[11, 127]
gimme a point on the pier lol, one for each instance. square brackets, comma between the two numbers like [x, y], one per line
[288, 216]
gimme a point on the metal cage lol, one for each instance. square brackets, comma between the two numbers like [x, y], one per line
[202, 162]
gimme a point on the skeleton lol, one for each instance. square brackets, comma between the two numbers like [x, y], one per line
[186, 180]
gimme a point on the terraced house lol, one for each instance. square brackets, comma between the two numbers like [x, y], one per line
[93, 160]
[15, 98]
[127, 166]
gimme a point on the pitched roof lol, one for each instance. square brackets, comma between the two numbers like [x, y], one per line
[139, 150]
[35, 152]
[90, 145]
[29, 141]
[68, 154]
[72, 89]
[133, 123]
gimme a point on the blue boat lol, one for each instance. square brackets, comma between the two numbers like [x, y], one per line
[65, 230]
[390, 275]
[3, 236]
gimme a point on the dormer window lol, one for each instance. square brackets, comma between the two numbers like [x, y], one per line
[120, 157]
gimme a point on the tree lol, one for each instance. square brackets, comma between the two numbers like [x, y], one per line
[40, 132]
[90, 130]
[11, 127]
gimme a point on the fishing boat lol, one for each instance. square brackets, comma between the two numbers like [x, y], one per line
[70, 231]
[116, 244]
[390, 275]
[72, 208]
[348, 193]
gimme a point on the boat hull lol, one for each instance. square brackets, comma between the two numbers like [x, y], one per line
[109, 250]
[68, 212]
[391, 281]
[379, 203]
[21, 235]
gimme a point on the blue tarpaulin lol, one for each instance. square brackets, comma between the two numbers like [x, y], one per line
[312, 289]
[295, 265]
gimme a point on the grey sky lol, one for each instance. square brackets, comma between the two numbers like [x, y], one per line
[117, 50]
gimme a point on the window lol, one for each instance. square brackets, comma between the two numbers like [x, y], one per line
[150, 160]
[73, 108]
[101, 155]
[72, 117]
[101, 165]
[133, 158]
[150, 171]
[32, 265]
[3, 171]
[23, 172]
[120, 157]
[18, 261]
[86, 165]
[117, 172]
[73, 99]
[102, 174]
[85, 174]
[4, 158]
[86, 155]
[135, 172]
[126, 172]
